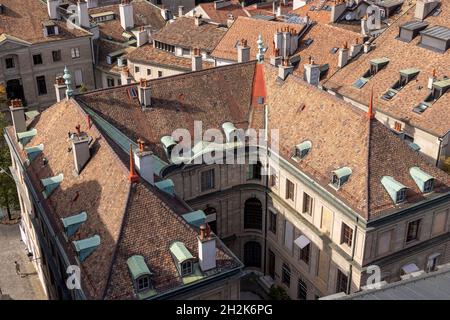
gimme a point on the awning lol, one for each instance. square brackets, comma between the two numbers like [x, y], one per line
[410, 268]
[302, 241]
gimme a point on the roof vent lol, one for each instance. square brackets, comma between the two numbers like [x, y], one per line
[301, 150]
[396, 190]
[167, 186]
[423, 180]
[140, 273]
[50, 184]
[184, 260]
[340, 176]
[411, 29]
[438, 89]
[72, 224]
[33, 152]
[436, 38]
[86, 246]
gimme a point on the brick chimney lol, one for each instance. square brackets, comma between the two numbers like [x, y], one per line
[243, 51]
[206, 248]
[284, 69]
[343, 56]
[286, 39]
[18, 116]
[126, 15]
[312, 72]
[143, 160]
[83, 14]
[145, 96]
[431, 79]
[367, 47]
[60, 89]
[80, 148]
[53, 9]
[196, 60]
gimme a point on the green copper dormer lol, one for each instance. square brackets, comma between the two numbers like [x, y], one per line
[167, 186]
[86, 246]
[230, 132]
[301, 150]
[72, 223]
[168, 143]
[340, 176]
[184, 260]
[195, 218]
[25, 137]
[423, 180]
[395, 189]
[141, 275]
[50, 184]
[33, 152]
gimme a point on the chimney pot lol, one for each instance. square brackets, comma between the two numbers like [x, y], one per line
[18, 116]
[80, 149]
[206, 249]
[126, 15]
[144, 94]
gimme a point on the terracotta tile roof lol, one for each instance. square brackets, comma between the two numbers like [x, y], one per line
[402, 56]
[320, 16]
[212, 96]
[267, 9]
[150, 227]
[101, 189]
[145, 14]
[24, 19]
[341, 136]
[103, 48]
[249, 29]
[221, 15]
[325, 37]
[150, 55]
[184, 33]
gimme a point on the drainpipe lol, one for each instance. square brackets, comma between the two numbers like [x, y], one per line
[353, 255]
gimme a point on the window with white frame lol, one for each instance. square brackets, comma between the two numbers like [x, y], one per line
[143, 283]
[186, 268]
[75, 53]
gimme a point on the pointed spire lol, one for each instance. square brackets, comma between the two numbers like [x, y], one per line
[260, 54]
[133, 177]
[68, 81]
[370, 113]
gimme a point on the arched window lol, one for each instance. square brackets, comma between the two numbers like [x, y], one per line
[253, 214]
[211, 218]
[252, 254]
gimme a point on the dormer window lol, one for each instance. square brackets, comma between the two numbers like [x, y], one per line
[395, 189]
[405, 77]
[340, 176]
[140, 273]
[50, 28]
[436, 38]
[143, 283]
[186, 268]
[184, 261]
[423, 180]
[438, 90]
[375, 66]
[168, 144]
[301, 150]
[231, 133]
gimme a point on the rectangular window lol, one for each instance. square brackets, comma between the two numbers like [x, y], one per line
[75, 52]
[9, 62]
[342, 282]
[439, 223]
[110, 82]
[273, 181]
[51, 30]
[290, 188]
[413, 231]
[136, 69]
[160, 74]
[305, 253]
[346, 235]
[41, 85]
[288, 235]
[207, 178]
[286, 274]
[149, 72]
[272, 222]
[302, 290]
[56, 55]
[37, 59]
[78, 78]
[143, 283]
[307, 204]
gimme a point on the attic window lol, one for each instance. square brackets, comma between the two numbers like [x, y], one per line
[103, 16]
[439, 89]
[50, 184]
[436, 38]
[301, 150]
[186, 268]
[50, 28]
[86, 246]
[340, 176]
[231, 133]
[113, 56]
[405, 77]
[182, 257]
[168, 143]
[375, 66]
[72, 223]
[424, 181]
[395, 189]
[2, 9]
[308, 42]
[139, 272]
[411, 29]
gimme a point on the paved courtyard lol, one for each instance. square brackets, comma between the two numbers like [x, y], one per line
[27, 286]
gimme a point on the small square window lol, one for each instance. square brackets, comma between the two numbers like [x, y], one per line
[110, 82]
[75, 52]
[136, 69]
[56, 55]
[37, 59]
[149, 72]
[9, 62]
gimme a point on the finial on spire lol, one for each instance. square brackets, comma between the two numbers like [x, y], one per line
[260, 54]
[370, 113]
[68, 82]
[133, 177]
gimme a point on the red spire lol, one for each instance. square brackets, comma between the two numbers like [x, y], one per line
[370, 113]
[133, 177]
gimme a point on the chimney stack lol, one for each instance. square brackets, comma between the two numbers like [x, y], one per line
[126, 15]
[53, 9]
[230, 20]
[285, 69]
[278, 13]
[312, 73]
[367, 47]
[286, 49]
[141, 37]
[83, 14]
[125, 77]
[337, 10]
[60, 89]
[424, 8]
[243, 51]
[196, 60]
[276, 59]
[206, 248]
[432, 79]
[355, 49]
[343, 56]
[143, 160]
[145, 96]
[180, 11]
[198, 20]
[18, 116]
[80, 148]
